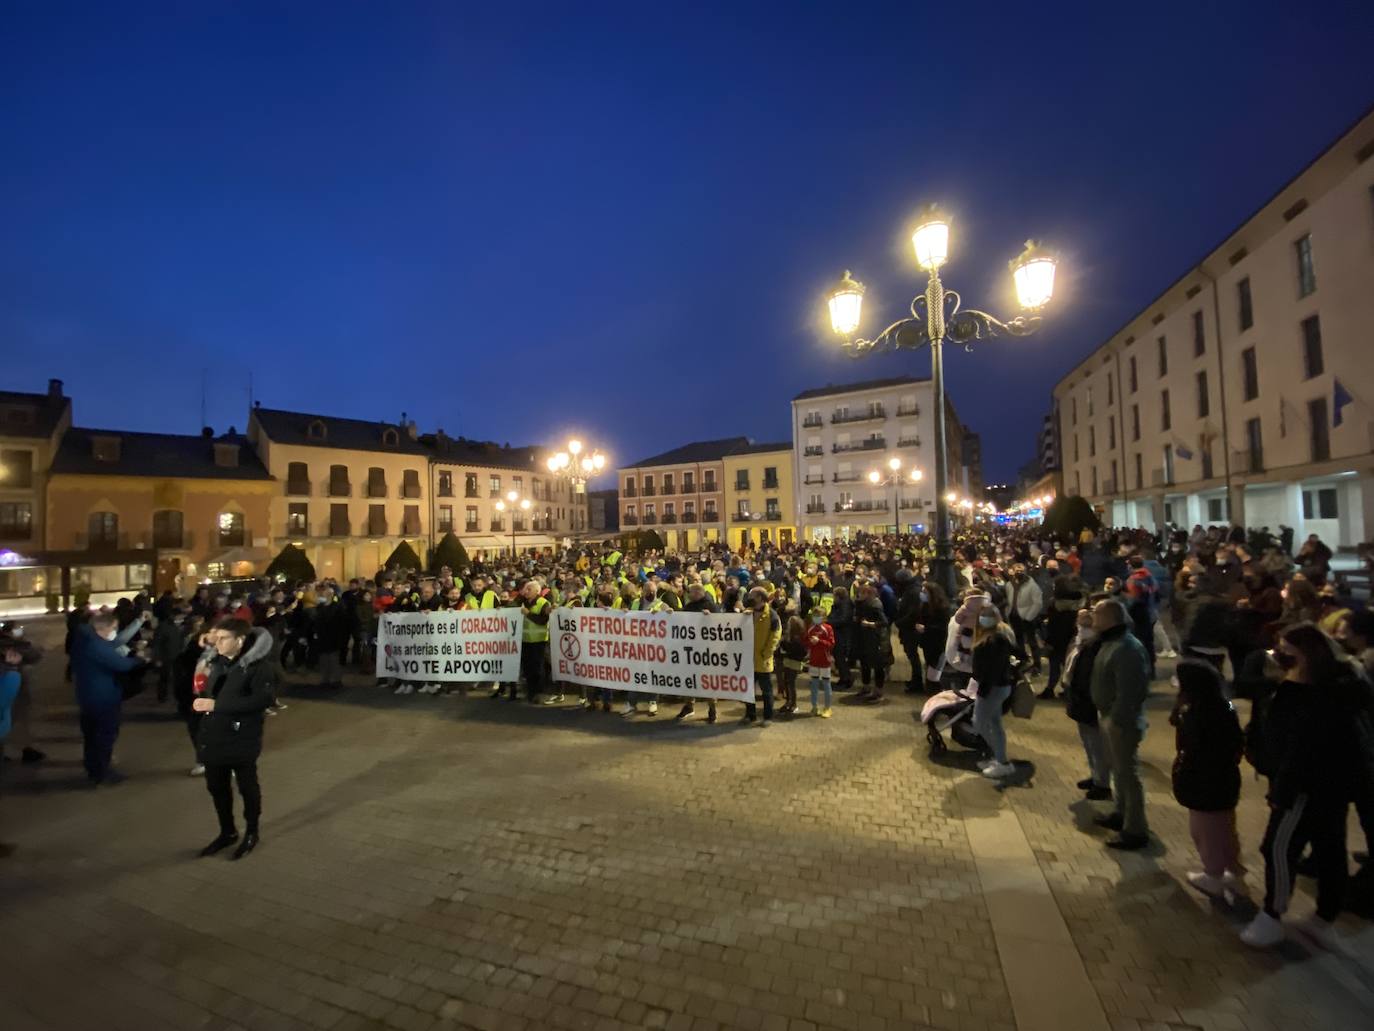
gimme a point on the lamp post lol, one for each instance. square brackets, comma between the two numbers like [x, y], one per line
[513, 503]
[894, 465]
[935, 317]
[577, 468]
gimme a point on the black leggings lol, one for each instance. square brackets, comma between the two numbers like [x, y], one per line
[218, 781]
[1322, 822]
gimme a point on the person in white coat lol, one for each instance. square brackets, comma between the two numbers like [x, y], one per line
[1027, 606]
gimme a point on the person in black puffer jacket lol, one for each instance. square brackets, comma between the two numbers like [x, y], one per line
[239, 689]
[1206, 774]
[1067, 599]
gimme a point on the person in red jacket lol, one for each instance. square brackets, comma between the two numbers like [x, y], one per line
[820, 646]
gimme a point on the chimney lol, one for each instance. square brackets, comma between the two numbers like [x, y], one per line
[55, 390]
[411, 431]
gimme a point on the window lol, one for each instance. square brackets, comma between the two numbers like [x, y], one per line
[1139, 472]
[470, 519]
[410, 483]
[446, 485]
[494, 486]
[16, 469]
[1322, 506]
[1203, 402]
[1254, 445]
[338, 520]
[1111, 391]
[298, 519]
[390, 437]
[410, 520]
[1130, 366]
[708, 480]
[167, 529]
[669, 509]
[1094, 481]
[1216, 510]
[1312, 364]
[231, 530]
[770, 477]
[1168, 463]
[376, 482]
[1077, 482]
[1199, 336]
[1092, 441]
[1249, 369]
[1075, 447]
[1320, 425]
[315, 431]
[688, 485]
[1113, 484]
[1163, 357]
[445, 518]
[470, 485]
[1245, 310]
[742, 506]
[1165, 421]
[102, 530]
[648, 487]
[1307, 275]
[668, 484]
[771, 510]
[1111, 434]
[16, 520]
[297, 478]
[339, 486]
[689, 509]
[1090, 401]
[708, 512]
[1135, 422]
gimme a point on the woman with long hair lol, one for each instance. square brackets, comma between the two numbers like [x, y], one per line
[993, 647]
[932, 630]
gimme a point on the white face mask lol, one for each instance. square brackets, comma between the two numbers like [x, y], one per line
[817, 619]
[110, 634]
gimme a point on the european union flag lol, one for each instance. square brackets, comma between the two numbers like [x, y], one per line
[1340, 397]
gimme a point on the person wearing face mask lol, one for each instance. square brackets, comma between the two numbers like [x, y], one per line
[1120, 684]
[932, 630]
[820, 646]
[1312, 741]
[992, 672]
[767, 635]
[98, 661]
[1079, 707]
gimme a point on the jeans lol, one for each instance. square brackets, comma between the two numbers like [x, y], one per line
[816, 683]
[99, 731]
[987, 720]
[1096, 751]
[218, 783]
[764, 682]
[1123, 749]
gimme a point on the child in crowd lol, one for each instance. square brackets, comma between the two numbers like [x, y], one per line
[792, 652]
[1206, 773]
[820, 646]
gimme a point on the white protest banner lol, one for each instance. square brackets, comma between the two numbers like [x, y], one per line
[696, 654]
[482, 644]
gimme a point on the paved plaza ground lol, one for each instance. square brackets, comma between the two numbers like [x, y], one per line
[465, 863]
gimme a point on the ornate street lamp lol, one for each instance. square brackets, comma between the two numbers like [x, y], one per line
[936, 317]
[513, 503]
[895, 480]
[576, 466]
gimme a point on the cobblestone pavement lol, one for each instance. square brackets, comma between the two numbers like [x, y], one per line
[466, 863]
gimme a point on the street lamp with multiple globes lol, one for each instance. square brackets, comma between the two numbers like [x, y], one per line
[895, 480]
[935, 317]
[577, 468]
[514, 504]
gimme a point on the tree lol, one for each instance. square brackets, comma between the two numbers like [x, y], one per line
[640, 541]
[1068, 517]
[291, 564]
[449, 552]
[403, 559]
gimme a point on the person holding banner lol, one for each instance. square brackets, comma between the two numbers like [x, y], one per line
[534, 650]
[767, 635]
[698, 601]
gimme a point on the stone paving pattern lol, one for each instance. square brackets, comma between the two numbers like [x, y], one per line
[465, 863]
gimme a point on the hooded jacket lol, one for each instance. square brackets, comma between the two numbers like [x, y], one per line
[243, 688]
[1208, 739]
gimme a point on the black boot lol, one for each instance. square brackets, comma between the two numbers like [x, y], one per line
[225, 839]
[250, 841]
[687, 710]
[32, 755]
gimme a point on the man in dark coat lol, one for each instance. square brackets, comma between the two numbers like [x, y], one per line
[97, 665]
[332, 630]
[238, 691]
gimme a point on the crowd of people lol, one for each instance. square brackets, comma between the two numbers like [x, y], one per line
[1086, 619]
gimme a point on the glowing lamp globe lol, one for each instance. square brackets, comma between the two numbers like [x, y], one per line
[846, 305]
[1033, 274]
[873, 476]
[931, 239]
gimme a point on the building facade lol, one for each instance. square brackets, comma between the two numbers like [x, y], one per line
[1243, 393]
[680, 493]
[841, 434]
[760, 503]
[603, 511]
[31, 428]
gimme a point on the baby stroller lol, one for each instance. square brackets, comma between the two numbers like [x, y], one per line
[952, 711]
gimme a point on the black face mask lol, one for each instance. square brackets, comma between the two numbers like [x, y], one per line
[1286, 660]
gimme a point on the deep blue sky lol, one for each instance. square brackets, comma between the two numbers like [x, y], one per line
[515, 220]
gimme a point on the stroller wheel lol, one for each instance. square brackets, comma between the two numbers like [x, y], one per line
[937, 742]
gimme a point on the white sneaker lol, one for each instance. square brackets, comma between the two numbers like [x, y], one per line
[1170, 654]
[995, 770]
[653, 708]
[405, 689]
[1322, 933]
[198, 770]
[1263, 932]
[629, 709]
[1207, 884]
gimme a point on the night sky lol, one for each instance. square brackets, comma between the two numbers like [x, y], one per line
[516, 220]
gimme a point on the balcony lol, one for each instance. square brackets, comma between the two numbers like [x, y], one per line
[909, 442]
[813, 479]
[846, 478]
[741, 485]
[710, 516]
[376, 489]
[172, 541]
[689, 517]
[668, 517]
[861, 506]
[667, 490]
[871, 444]
[689, 486]
[471, 491]
[629, 491]
[813, 451]
[338, 527]
[813, 420]
[1248, 460]
[650, 519]
[909, 410]
[876, 412]
[629, 520]
[376, 526]
[340, 489]
[410, 525]
[648, 490]
[914, 503]
[497, 526]
[410, 490]
[773, 517]
[472, 527]
[814, 509]
[298, 488]
[741, 517]
[770, 484]
[1109, 487]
